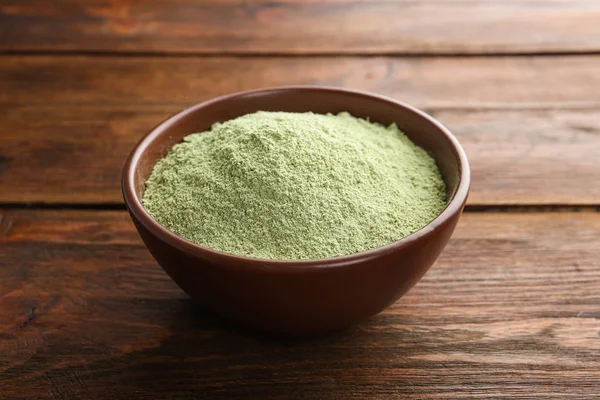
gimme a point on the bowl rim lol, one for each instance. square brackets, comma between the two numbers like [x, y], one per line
[135, 206]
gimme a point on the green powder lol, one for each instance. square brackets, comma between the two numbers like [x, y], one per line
[284, 186]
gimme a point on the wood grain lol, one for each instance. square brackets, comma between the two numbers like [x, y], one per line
[301, 27]
[510, 310]
[426, 82]
[53, 154]
[70, 122]
[530, 157]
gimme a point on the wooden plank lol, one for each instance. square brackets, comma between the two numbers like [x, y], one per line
[69, 154]
[430, 82]
[75, 155]
[301, 27]
[70, 122]
[509, 310]
[530, 156]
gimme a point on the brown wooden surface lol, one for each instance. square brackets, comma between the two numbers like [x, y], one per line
[544, 156]
[456, 82]
[69, 122]
[511, 309]
[301, 27]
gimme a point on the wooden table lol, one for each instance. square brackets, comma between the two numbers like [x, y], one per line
[511, 309]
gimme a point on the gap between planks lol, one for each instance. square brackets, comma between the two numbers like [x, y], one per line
[234, 54]
[476, 208]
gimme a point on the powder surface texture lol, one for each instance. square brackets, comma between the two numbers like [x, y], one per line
[295, 186]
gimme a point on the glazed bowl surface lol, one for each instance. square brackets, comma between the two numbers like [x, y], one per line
[307, 296]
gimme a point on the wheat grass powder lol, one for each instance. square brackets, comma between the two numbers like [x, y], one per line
[292, 186]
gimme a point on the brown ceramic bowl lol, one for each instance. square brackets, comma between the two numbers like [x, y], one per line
[298, 297]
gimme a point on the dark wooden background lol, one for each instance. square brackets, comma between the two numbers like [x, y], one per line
[510, 310]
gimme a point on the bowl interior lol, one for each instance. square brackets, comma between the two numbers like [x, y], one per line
[421, 129]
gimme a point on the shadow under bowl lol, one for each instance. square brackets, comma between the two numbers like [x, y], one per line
[308, 296]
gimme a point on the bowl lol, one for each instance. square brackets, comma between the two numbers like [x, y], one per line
[302, 297]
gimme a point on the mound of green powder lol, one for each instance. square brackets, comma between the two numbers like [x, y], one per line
[284, 186]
